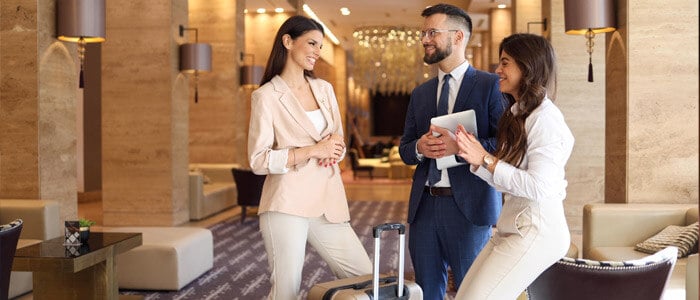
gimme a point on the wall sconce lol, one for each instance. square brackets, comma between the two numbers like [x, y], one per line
[194, 58]
[251, 75]
[543, 22]
[589, 17]
[80, 21]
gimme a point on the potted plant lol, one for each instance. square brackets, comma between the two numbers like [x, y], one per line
[85, 228]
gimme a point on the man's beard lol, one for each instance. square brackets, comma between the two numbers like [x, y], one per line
[438, 56]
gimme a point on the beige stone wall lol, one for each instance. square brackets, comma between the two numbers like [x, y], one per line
[145, 119]
[260, 34]
[583, 106]
[527, 11]
[662, 126]
[500, 21]
[653, 145]
[38, 92]
[218, 123]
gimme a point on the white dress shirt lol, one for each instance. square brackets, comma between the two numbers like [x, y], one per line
[455, 83]
[541, 175]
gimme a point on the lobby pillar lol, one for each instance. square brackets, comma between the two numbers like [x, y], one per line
[144, 115]
[38, 96]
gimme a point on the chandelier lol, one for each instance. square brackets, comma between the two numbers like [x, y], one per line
[388, 59]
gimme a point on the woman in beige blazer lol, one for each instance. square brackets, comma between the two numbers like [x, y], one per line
[296, 139]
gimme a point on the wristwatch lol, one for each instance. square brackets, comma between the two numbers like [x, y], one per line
[489, 160]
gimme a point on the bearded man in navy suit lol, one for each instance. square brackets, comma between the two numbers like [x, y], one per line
[451, 212]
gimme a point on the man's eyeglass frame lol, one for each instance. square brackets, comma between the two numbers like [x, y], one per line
[430, 33]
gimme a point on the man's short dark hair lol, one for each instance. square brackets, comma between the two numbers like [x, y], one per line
[453, 12]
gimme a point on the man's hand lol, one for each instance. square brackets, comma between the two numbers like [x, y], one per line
[448, 138]
[431, 146]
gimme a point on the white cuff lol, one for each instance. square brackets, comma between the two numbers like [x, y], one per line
[419, 156]
[277, 162]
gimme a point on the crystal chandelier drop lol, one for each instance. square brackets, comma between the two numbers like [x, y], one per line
[388, 59]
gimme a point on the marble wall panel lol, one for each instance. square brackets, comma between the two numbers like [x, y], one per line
[663, 101]
[144, 122]
[38, 110]
[583, 106]
[19, 145]
[218, 122]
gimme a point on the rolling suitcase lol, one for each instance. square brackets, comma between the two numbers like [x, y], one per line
[372, 286]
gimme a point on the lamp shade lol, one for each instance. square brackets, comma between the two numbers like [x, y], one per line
[582, 15]
[195, 57]
[251, 75]
[81, 19]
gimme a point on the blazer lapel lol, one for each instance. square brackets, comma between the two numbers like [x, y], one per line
[293, 108]
[468, 83]
[430, 104]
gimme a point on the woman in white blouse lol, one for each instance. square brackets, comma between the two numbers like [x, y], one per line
[296, 139]
[534, 144]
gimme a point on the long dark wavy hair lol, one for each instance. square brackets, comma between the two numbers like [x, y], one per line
[535, 57]
[295, 26]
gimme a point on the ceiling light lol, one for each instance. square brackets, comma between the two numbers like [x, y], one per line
[345, 11]
[261, 10]
[376, 51]
[330, 34]
[501, 5]
[245, 11]
[279, 10]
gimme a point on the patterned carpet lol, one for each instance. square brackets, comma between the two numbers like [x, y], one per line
[240, 263]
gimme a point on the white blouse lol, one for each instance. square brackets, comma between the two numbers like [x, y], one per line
[278, 158]
[541, 175]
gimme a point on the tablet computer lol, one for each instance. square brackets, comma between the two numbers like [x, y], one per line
[450, 121]
[467, 118]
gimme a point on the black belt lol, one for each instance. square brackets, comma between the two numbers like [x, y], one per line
[438, 191]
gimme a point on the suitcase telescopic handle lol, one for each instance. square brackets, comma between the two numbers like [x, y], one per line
[377, 230]
[388, 226]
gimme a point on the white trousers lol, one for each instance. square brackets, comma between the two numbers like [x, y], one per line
[510, 261]
[285, 238]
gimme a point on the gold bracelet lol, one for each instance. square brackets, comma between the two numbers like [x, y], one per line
[294, 157]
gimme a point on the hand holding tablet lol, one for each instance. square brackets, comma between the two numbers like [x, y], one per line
[450, 121]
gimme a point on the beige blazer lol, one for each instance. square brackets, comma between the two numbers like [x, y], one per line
[277, 122]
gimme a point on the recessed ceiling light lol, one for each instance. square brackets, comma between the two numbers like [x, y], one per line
[501, 5]
[245, 11]
[345, 11]
[279, 10]
[261, 10]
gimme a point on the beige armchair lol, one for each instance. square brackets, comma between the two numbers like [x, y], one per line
[212, 189]
[41, 222]
[610, 232]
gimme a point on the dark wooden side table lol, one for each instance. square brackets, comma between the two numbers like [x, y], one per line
[76, 272]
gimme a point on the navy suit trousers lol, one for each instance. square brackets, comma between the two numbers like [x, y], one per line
[439, 237]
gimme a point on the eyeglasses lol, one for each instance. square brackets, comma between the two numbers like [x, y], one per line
[430, 33]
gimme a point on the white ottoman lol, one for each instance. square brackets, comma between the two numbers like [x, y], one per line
[169, 259]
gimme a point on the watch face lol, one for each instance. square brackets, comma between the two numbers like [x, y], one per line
[488, 160]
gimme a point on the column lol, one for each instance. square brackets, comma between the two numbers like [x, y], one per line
[144, 115]
[38, 92]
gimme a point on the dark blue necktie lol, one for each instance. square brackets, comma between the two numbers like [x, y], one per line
[434, 175]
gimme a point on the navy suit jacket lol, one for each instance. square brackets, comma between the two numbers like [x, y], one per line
[479, 91]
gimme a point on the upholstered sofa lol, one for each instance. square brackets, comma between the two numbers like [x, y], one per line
[212, 189]
[610, 232]
[41, 222]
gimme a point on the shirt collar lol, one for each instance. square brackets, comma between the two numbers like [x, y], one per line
[456, 73]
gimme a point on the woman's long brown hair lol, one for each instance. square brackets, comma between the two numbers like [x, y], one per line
[535, 57]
